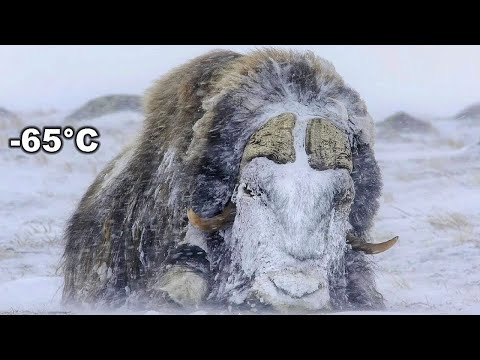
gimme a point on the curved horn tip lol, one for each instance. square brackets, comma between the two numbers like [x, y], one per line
[385, 245]
[215, 223]
[373, 249]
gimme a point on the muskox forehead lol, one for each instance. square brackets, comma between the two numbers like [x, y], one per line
[263, 82]
[326, 145]
[255, 86]
[246, 95]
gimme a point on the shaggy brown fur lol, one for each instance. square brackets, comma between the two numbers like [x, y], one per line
[173, 105]
[132, 221]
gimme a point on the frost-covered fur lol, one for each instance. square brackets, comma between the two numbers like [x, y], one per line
[131, 226]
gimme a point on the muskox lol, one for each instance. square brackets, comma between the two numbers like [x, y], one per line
[252, 184]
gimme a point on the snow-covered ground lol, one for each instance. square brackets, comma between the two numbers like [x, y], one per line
[431, 199]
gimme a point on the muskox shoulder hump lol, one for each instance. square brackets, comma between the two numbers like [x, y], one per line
[189, 83]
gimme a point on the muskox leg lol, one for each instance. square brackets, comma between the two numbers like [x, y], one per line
[185, 276]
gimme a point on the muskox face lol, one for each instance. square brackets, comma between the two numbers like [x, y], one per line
[293, 200]
[286, 226]
[286, 230]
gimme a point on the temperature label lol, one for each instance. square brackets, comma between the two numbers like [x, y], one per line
[50, 139]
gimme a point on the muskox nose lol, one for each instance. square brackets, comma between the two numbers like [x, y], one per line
[296, 284]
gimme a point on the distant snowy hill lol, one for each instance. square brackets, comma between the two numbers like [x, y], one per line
[401, 124]
[472, 111]
[5, 114]
[105, 105]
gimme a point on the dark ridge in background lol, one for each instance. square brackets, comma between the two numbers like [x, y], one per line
[5, 114]
[472, 111]
[403, 123]
[107, 105]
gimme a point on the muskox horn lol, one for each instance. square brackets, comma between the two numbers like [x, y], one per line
[215, 223]
[370, 248]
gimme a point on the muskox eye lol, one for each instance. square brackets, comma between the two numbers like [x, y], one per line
[251, 192]
[343, 197]
[248, 191]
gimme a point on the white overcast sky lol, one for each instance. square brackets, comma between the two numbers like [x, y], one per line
[423, 80]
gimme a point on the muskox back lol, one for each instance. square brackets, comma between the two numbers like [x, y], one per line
[135, 210]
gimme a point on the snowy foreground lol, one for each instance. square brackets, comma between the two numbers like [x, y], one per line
[431, 200]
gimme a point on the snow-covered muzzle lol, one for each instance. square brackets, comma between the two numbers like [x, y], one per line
[291, 222]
